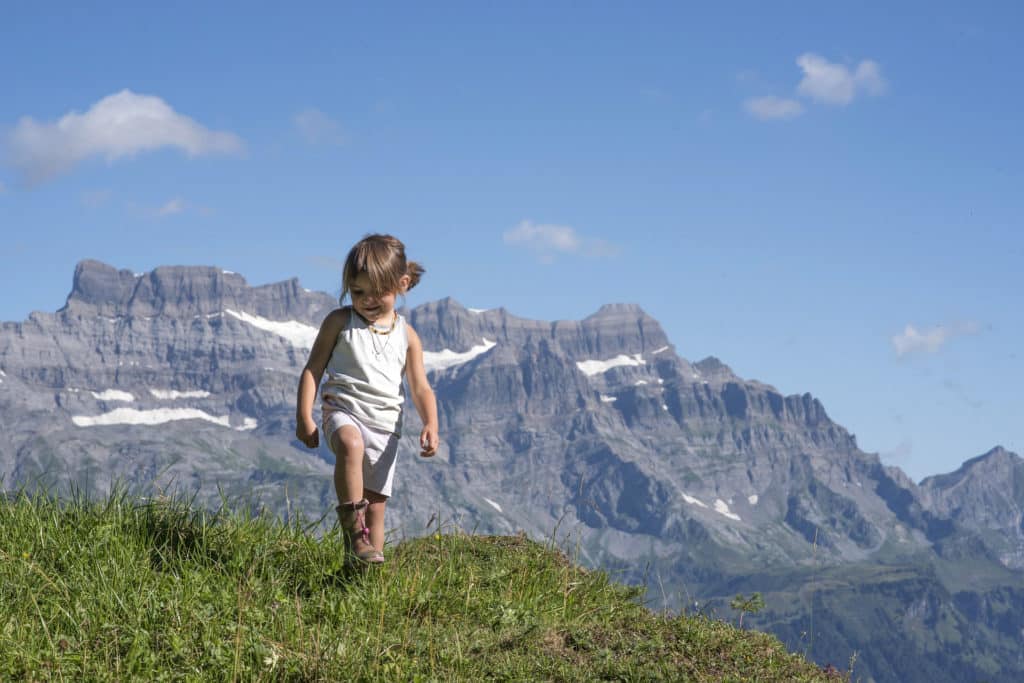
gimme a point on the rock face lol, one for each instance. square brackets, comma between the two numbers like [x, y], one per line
[986, 497]
[594, 433]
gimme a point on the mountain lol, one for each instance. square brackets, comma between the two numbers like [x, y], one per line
[595, 432]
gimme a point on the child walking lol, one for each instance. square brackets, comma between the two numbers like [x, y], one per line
[365, 349]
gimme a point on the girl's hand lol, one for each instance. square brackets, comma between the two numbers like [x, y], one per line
[429, 441]
[307, 433]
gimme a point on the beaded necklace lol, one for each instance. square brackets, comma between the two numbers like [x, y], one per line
[379, 351]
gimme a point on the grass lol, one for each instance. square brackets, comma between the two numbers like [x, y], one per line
[128, 589]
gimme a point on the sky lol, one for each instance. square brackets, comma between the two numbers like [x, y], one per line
[828, 198]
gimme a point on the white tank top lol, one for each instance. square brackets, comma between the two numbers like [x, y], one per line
[364, 374]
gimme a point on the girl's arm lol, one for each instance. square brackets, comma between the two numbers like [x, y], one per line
[309, 380]
[422, 394]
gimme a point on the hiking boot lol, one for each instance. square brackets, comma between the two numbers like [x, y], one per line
[352, 518]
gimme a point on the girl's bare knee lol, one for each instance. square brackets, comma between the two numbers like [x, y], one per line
[347, 442]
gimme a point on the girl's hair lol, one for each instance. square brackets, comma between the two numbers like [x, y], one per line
[382, 258]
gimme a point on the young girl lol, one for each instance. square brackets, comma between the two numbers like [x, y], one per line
[365, 349]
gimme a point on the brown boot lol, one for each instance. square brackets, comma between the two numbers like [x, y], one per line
[352, 517]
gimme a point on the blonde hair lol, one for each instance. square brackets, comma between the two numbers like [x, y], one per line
[382, 258]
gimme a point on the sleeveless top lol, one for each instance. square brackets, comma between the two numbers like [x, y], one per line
[364, 374]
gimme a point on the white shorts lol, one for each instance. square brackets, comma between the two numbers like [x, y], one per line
[380, 450]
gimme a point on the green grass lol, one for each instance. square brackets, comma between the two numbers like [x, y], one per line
[125, 589]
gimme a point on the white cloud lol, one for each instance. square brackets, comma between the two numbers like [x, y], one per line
[317, 128]
[836, 84]
[118, 126]
[911, 340]
[770, 107]
[176, 205]
[544, 237]
[548, 240]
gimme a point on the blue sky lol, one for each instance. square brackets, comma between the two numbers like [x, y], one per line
[826, 198]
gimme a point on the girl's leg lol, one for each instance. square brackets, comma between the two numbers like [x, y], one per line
[375, 517]
[347, 444]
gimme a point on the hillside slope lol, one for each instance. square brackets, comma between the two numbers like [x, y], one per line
[121, 588]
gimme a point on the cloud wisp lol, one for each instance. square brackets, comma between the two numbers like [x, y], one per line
[823, 82]
[836, 84]
[901, 451]
[317, 128]
[176, 205]
[770, 107]
[549, 240]
[118, 126]
[912, 340]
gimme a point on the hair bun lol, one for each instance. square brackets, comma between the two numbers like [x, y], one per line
[414, 271]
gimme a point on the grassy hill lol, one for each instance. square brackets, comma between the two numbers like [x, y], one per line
[126, 589]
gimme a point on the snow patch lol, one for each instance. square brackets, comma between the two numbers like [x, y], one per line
[477, 310]
[607, 399]
[640, 383]
[113, 395]
[297, 334]
[693, 501]
[595, 367]
[248, 424]
[446, 358]
[663, 348]
[171, 394]
[131, 416]
[664, 407]
[752, 499]
[228, 272]
[494, 505]
[722, 508]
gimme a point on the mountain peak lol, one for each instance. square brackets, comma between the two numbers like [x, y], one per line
[97, 283]
[996, 458]
[996, 463]
[619, 310]
[712, 368]
[101, 289]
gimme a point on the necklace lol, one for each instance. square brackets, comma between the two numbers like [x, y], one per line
[380, 350]
[384, 331]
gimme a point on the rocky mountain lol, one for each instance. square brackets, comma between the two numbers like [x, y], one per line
[592, 433]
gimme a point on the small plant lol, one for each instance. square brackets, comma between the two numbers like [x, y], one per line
[753, 605]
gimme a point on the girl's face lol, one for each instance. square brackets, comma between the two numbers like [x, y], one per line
[373, 308]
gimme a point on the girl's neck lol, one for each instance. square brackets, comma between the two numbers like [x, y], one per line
[378, 326]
